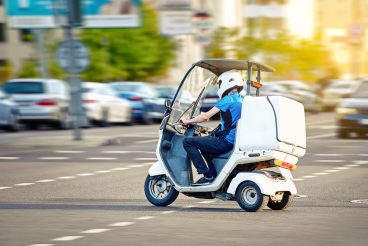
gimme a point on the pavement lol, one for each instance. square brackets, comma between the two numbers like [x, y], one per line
[93, 195]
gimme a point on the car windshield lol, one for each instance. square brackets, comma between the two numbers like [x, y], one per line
[166, 92]
[24, 88]
[362, 91]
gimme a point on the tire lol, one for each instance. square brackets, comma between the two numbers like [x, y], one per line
[104, 122]
[250, 198]
[33, 126]
[64, 121]
[14, 125]
[286, 201]
[159, 191]
[342, 134]
[146, 120]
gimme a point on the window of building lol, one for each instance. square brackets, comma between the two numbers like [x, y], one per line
[25, 35]
[2, 32]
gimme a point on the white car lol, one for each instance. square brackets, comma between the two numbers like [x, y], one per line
[40, 101]
[8, 113]
[103, 106]
[338, 90]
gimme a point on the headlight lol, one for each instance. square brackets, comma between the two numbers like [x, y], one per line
[346, 111]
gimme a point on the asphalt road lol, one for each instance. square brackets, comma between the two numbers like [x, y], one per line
[94, 196]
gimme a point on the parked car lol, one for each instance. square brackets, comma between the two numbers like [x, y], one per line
[144, 101]
[8, 113]
[300, 92]
[352, 113]
[103, 106]
[165, 91]
[40, 101]
[337, 90]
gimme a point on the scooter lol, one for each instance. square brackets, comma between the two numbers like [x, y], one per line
[270, 137]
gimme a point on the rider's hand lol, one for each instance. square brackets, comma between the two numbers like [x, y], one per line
[184, 122]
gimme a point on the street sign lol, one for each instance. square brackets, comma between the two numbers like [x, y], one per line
[176, 22]
[73, 56]
[96, 13]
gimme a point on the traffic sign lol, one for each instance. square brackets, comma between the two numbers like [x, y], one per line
[73, 56]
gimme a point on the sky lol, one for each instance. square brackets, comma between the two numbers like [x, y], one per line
[300, 14]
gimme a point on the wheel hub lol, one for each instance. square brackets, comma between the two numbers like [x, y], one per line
[250, 195]
[161, 185]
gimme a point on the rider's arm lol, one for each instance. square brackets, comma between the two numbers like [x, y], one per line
[202, 117]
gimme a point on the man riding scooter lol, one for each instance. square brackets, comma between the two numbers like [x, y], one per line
[221, 140]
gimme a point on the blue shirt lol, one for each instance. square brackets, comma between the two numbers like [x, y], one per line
[230, 112]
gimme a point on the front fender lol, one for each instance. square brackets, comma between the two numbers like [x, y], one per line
[267, 185]
[156, 169]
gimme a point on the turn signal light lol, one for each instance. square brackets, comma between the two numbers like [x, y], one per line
[284, 165]
[256, 84]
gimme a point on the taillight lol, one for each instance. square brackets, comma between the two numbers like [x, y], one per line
[136, 99]
[89, 101]
[46, 103]
[283, 164]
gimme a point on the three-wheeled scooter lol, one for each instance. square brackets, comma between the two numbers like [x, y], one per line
[270, 137]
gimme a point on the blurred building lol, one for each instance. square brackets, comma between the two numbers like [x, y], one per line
[342, 25]
[16, 45]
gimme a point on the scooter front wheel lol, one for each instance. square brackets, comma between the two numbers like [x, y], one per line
[159, 191]
[250, 197]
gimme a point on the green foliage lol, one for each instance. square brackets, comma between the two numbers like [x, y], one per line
[6, 71]
[292, 58]
[28, 69]
[128, 54]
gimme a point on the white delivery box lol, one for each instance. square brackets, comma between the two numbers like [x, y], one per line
[272, 123]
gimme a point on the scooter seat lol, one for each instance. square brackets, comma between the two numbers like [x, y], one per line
[225, 155]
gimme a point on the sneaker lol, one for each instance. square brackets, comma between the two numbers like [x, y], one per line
[204, 181]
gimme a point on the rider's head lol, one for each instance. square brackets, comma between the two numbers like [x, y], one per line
[228, 81]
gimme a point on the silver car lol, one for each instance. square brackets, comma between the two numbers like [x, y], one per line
[40, 101]
[8, 113]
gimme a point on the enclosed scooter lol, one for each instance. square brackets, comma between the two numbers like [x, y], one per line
[270, 137]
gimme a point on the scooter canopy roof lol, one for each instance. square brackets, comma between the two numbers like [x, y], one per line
[218, 66]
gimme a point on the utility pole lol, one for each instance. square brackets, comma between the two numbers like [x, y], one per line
[42, 52]
[356, 34]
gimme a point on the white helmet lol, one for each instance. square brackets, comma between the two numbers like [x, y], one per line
[228, 81]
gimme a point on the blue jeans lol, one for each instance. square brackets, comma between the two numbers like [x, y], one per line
[207, 145]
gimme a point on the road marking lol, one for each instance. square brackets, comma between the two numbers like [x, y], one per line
[42, 244]
[120, 168]
[145, 159]
[190, 206]
[168, 212]
[9, 158]
[146, 141]
[136, 166]
[116, 152]
[299, 179]
[24, 184]
[102, 158]
[329, 160]
[360, 201]
[149, 163]
[300, 196]
[5, 187]
[333, 171]
[309, 176]
[145, 218]
[329, 155]
[69, 151]
[321, 136]
[352, 165]
[45, 180]
[363, 154]
[66, 177]
[67, 238]
[85, 174]
[206, 202]
[99, 230]
[120, 224]
[320, 174]
[361, 162]
[104, 171]
[342, 168]
[54, 158]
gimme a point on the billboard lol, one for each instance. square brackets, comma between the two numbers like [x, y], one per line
[96, 13]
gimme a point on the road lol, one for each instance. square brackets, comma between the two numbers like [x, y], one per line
[94, 196]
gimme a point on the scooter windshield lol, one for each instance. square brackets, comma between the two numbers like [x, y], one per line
[188, 100]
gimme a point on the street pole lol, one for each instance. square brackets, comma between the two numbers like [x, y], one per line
[355, 41]
[41, 53]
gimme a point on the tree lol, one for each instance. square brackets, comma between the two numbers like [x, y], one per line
[128, 54]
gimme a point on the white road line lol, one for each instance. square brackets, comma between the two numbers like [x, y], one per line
[329, 154]
[104, 171]
[9, 158]
[67, 238]
[145, 218]
[42, 244]
[363, 154]
[5, 187]
[299, 179]
[99, 230]
[24, 184]
[66, 177]
[146, 141]
[352, 165]
[361, 162]
[115, 152]
[332, 171]
[45, 180]
[54, 158]
[102, 158]
[85, 174]
[120, 168]
[329, 160]
[206, 202]
[319, 174]
[121, 224]
[149, 163]
[309, 176]
[342, 168]
[69, 151]
[321, 136]
[168, 212]
[136, 166]
[190, 206]
[146, 159]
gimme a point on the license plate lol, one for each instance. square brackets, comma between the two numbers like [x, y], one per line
[364, 121]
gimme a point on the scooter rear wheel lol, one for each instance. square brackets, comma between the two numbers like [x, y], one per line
[250, 198]
[159, 191]
[286, 201]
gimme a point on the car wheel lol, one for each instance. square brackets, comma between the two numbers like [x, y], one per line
[64, 122]
[250, 197]
[342, 134]
[104, 122]
[14, 124]
[33, 126]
